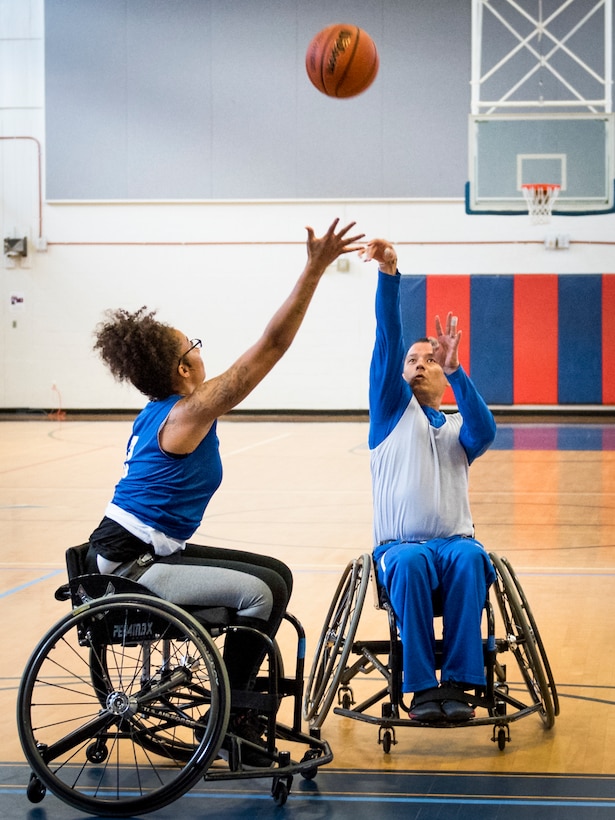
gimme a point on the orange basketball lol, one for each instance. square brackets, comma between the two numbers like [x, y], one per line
[342, 60]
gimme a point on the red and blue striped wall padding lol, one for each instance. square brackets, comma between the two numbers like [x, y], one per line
[527, 338]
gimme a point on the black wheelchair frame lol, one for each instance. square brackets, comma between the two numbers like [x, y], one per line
[333, 669]
[124, 703]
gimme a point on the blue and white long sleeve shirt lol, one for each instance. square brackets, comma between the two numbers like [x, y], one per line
[419, 456]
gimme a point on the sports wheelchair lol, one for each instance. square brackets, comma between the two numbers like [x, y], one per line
[333, 668]
[124, 704]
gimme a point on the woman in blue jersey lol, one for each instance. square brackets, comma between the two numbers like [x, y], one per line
[423, 531]
[173, 467]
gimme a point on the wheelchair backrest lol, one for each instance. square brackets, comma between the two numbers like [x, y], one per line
[75, 561]
[85, 583]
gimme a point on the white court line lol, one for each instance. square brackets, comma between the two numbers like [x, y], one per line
[572, 571]
[252, 446]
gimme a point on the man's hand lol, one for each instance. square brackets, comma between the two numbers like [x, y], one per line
[383, 252]
[446, 344]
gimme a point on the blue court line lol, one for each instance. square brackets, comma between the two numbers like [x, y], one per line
[379, 799]
[30, 583]
[453, 798]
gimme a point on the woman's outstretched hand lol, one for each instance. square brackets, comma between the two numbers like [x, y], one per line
[324, 250]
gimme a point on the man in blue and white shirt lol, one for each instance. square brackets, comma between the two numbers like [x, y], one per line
[423, 530]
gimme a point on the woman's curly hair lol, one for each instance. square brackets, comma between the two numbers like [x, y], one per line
[138, 349]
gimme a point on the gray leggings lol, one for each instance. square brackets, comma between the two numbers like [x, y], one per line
[194, 585]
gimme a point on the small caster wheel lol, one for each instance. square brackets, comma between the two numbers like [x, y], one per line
[97, 752]
[279, 792]
[502, 740]
[35, 790]
[386, 737]
[311, 754]
[346, 701]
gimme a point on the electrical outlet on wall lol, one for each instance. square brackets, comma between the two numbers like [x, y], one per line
[557, 242]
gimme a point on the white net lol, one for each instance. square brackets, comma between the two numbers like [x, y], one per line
[540, 198]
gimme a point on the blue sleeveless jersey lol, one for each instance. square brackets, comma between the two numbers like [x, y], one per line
[169, 493]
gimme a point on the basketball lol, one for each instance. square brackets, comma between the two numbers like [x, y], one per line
[342, 60]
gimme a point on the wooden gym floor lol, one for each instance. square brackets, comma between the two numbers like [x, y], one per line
[543, 496]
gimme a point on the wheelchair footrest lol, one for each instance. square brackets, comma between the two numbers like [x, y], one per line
[261, 702]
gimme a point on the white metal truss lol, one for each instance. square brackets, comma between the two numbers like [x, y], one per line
[543, 45]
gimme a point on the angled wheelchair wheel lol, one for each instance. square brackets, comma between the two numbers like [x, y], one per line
[536, 634]
[123, 706]
[336, 640]
[523, 639]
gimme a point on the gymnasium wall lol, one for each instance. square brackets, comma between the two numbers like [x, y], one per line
[218, 268]
[209, 99]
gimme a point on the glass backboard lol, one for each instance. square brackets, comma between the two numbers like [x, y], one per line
[574, 151]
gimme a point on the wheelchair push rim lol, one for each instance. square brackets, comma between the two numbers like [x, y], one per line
[523, 639]
[336, 639]
[134, 730]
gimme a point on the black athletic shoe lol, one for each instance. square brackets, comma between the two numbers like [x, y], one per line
[424, 710]
[428, 712]
[456, 711]
[455, 706]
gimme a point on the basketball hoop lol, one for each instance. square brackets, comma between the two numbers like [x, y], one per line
[540, 197]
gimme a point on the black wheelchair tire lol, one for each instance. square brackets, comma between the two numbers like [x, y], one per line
[61, 717]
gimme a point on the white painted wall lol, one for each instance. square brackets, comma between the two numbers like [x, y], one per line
[215, 270]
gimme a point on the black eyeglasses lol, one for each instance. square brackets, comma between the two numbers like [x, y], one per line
[193, 343]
